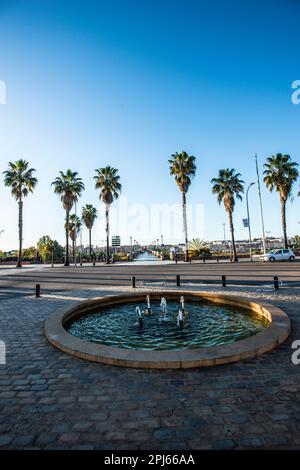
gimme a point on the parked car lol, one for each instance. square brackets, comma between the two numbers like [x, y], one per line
[279, 255]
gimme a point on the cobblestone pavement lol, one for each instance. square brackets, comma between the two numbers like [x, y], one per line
[49, 400]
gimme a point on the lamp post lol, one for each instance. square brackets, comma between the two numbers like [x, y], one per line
[248, 217]
[75, 241]
[268, 232]
[81, 247]
[261, 208]
[224, 225]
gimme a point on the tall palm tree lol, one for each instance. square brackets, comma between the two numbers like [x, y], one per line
[183, 167]
[69, 186]
[89, 215]
[280, 174]
[74, 229]
[108, 181]
[228, 186]
[19, 177]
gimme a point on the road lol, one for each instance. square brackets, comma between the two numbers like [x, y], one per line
[85, 277]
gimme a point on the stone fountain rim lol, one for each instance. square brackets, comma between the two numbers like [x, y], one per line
[267, 340]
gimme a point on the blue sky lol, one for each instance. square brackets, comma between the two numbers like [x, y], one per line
[127, 83]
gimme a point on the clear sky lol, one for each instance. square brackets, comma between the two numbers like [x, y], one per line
[127, 83]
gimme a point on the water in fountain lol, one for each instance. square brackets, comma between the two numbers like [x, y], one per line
[163, 309]
[148, 305]
[182, 303]
[140, 319]
[208, 325]
[180, 319]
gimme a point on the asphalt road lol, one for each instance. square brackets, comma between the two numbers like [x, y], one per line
[61, 278]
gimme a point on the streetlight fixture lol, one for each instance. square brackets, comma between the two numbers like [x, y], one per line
[248, 220]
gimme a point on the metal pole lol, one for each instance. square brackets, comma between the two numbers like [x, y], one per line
[261, 207]
[81, 247]
[75, 247]
[268, 245]
[224, 238]
[248, 217]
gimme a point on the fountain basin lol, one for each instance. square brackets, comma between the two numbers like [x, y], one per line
[276, 328]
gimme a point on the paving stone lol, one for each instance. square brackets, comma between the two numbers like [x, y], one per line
[50, 400]
[22, 441]
[251, 442]
[5, 440]
[69, 437]
[225, 444]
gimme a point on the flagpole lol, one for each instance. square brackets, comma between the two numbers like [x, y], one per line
[261, 207]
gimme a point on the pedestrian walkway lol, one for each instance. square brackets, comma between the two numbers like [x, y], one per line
[49, 400]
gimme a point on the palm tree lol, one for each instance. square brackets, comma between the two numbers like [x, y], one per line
[19, 177]
[280, 174]
[74, 228]
[69, 186]
[183, 167]
[198, 247]
[89, 215]
[227, 186]
[107, 180]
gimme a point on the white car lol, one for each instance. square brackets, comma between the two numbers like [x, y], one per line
[279, 255]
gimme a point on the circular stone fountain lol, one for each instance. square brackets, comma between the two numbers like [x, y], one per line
[216, 329]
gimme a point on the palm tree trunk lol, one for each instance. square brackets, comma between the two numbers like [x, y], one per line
[19, 264]
[73, 250]
[67, 261]
[186, 256]
[283, 219]
[90, 243]
[234, 256]
[107, 234]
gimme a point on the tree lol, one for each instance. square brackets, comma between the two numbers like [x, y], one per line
[280, 174]
[30, 253]
[228, 186]
[69, 186]
[183, 167]
[74, 228]
[19, 177]
[198, 247]
[89, 215]
[58, 250]
[297, 242]
[45, 247]
[108, 181]
[48, 247]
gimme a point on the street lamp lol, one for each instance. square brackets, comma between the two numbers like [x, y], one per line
[268, 232]
[224, 225]
[248, 219]
[131, 254]
[261, 207]
[75, 241]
